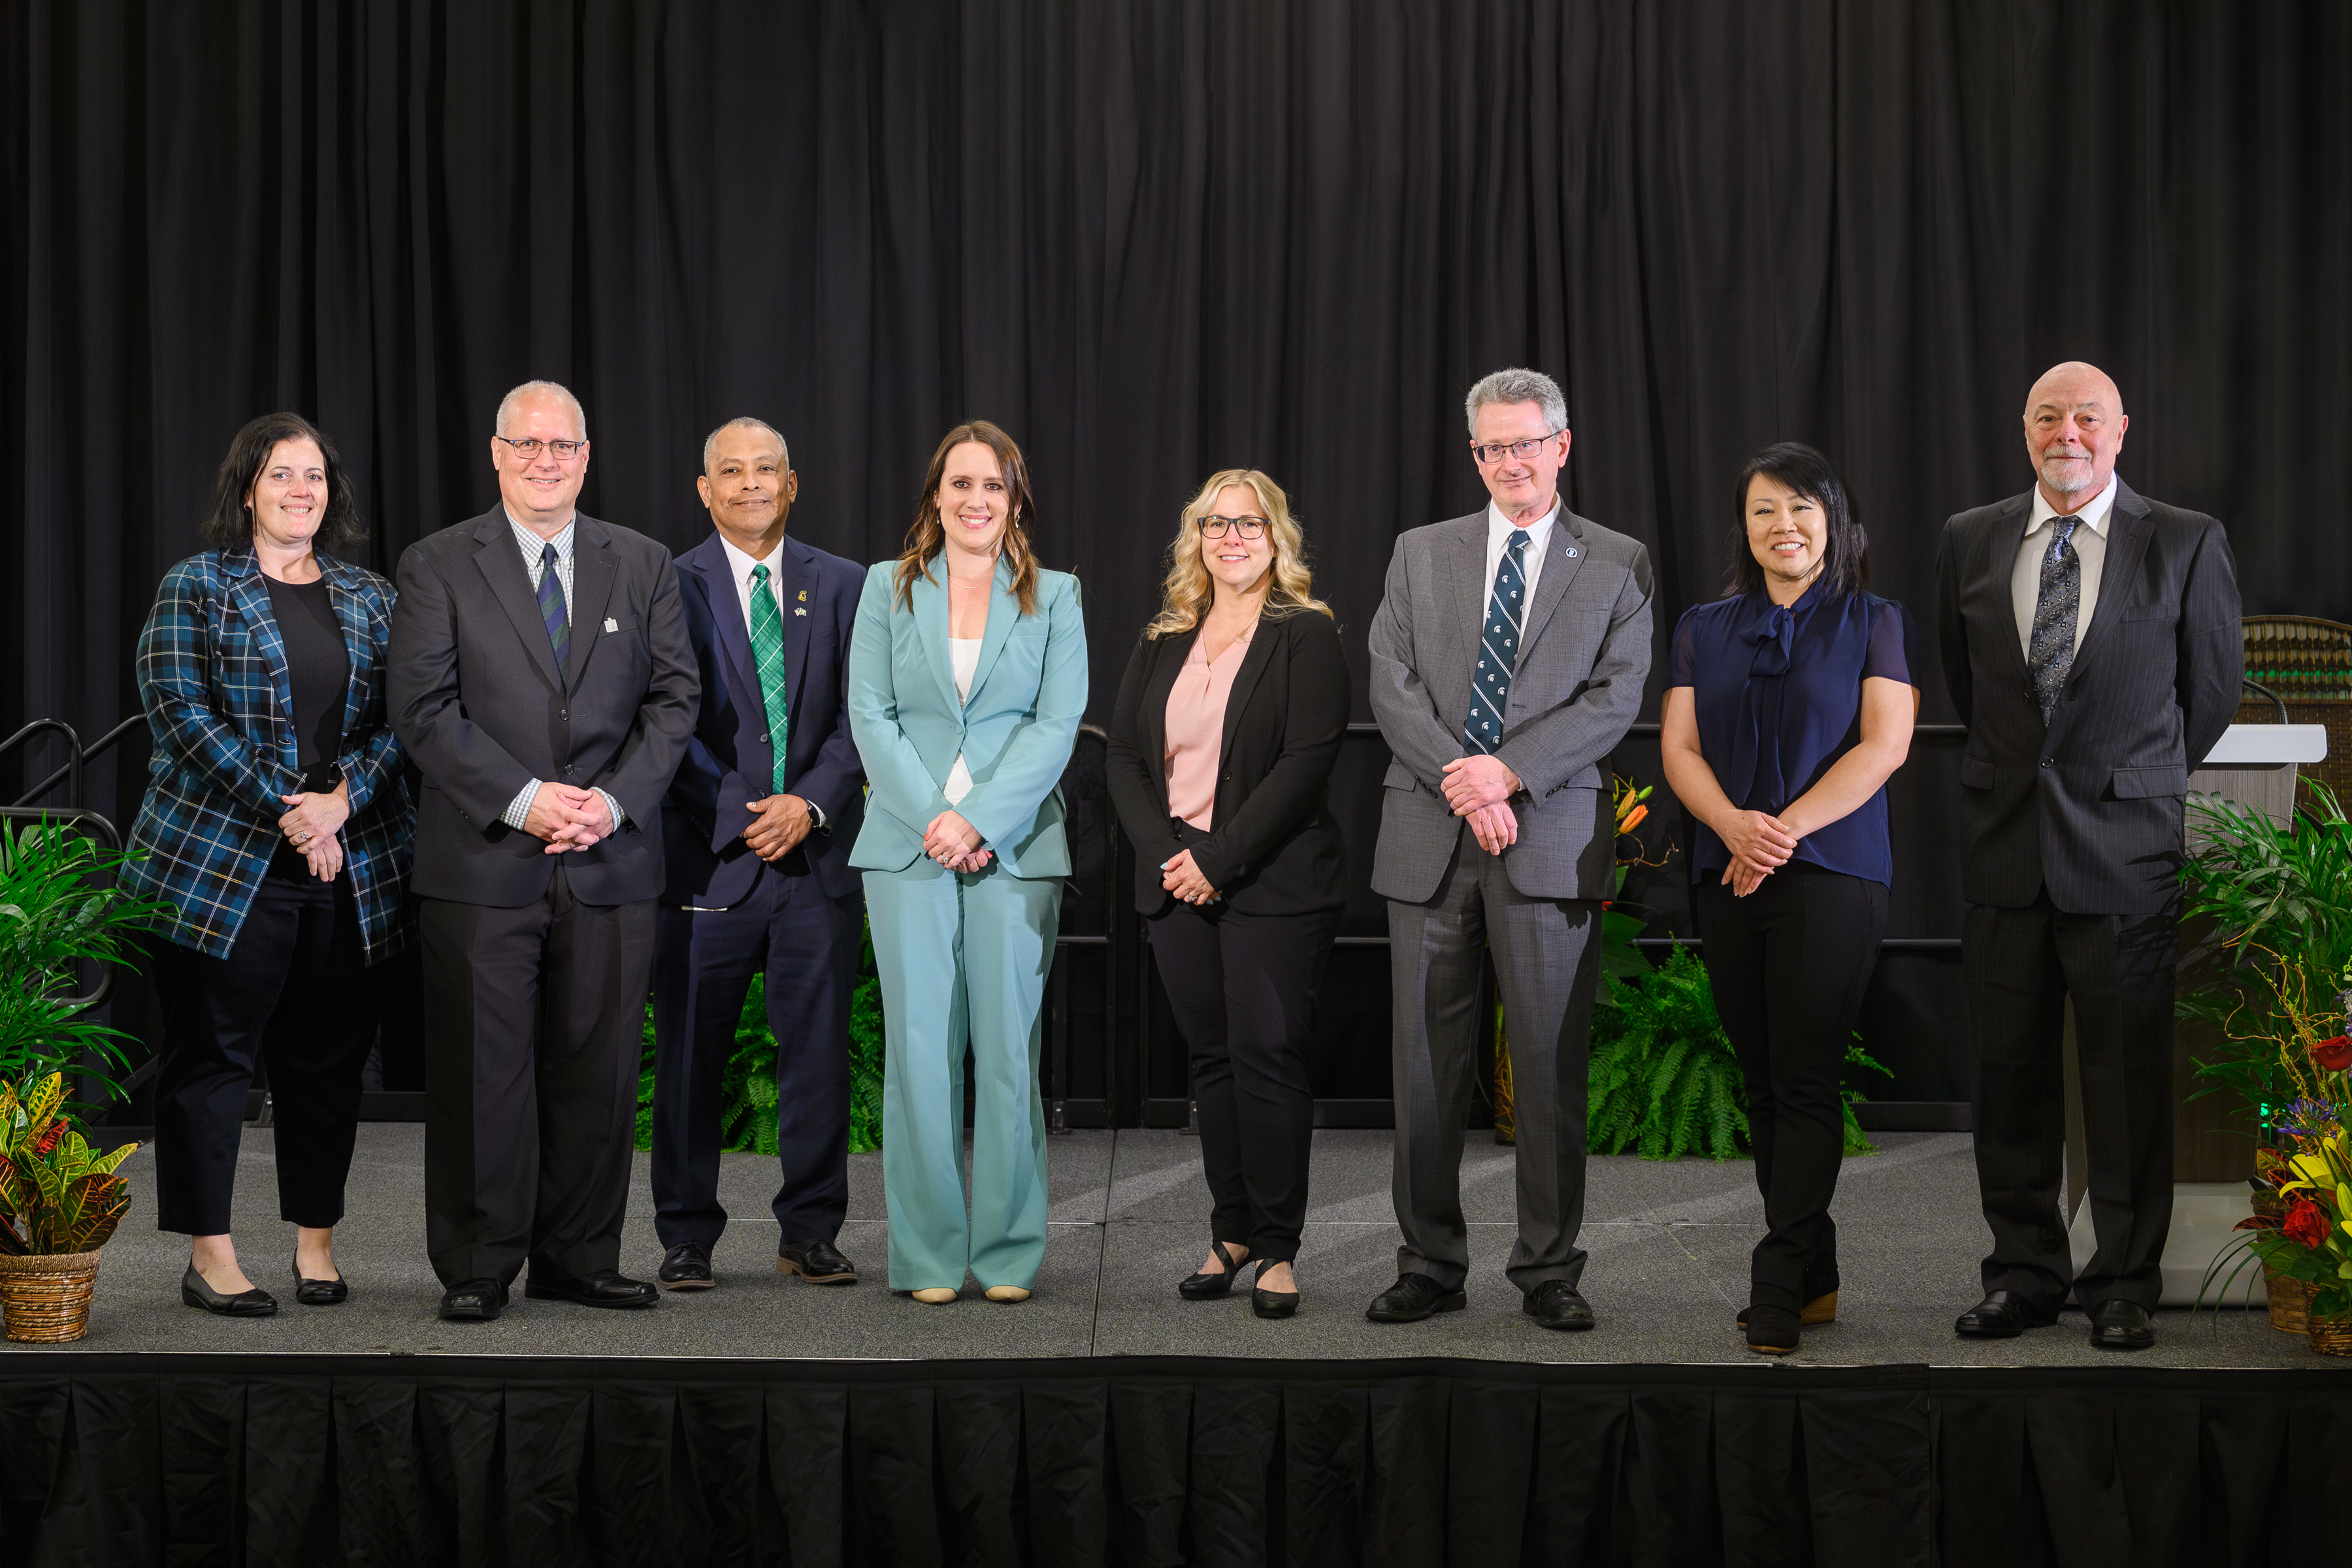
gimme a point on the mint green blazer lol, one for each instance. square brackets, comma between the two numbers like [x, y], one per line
[1015, 730]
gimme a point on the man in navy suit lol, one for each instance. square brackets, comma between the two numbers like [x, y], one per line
[757, 830]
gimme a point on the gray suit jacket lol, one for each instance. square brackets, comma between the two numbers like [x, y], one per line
[1583, 657]
[478, 702]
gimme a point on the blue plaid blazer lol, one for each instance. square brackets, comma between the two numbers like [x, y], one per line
[212, 676]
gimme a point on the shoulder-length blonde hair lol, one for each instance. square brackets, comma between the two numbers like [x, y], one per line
[1189, 591]
[928, 535]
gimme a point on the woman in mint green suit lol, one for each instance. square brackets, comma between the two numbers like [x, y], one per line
[967, 679]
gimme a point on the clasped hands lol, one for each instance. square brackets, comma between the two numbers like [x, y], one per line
[311, 823]
[1180, 877]
[567, 818]
[954, 843]
[1760, 843]
[1479, 789]
[779, 823]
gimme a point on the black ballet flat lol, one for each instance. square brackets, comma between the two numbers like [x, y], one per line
[1209, 1287]
[1271, 1303]
[254, 1304]
[320, 1293]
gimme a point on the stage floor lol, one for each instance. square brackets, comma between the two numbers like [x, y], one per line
[1669, 1244]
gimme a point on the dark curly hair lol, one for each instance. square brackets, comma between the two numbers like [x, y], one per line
[228, 523]
[1845, 548]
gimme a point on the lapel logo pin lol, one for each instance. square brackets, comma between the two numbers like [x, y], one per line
[610, 624]
[798, 611]
[803, 595]
[1571, 555]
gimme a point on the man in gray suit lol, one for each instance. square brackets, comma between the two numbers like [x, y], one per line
[1509, 655]
[540, 675]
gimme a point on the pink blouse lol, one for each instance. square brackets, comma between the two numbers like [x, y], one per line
[1196, 728]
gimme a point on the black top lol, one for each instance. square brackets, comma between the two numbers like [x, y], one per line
[1274, 848]
[319, 668]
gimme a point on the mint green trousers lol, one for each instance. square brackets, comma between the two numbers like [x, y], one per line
[963, 961]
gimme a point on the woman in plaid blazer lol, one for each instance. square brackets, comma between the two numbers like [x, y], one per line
[276, 828]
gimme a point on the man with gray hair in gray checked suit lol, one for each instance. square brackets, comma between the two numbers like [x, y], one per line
[1509, 655]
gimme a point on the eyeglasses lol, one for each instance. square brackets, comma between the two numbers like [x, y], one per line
[1247, 527]
[1527, 449]
[529, 447]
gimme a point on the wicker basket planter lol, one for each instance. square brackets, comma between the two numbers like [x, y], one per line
[2332, 1336]
[2289, 1300]
[46, 1296]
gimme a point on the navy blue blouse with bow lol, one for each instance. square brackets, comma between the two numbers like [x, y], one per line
[1777, 693]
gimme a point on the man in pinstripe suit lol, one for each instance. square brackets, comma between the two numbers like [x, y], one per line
[1495, 830]
[2092, 646]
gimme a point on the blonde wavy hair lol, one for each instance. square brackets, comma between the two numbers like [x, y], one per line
[1189, 591]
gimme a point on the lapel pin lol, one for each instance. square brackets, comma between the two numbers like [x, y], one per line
[803, 595]
[1571, 553]
[798, 611]
[610, 624]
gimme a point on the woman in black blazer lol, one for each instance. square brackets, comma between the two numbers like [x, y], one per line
[1228, 723]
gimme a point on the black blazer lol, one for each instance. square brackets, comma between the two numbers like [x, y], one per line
[1274, 846]
[729, 760]
[478, 703]
[2089, 806]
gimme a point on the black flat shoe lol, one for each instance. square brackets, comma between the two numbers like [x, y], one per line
[1772, 1331]
[2121, 1326]
[1556, 1304]
[1209, 1287]
[473, 1302]
[605, 1287]
[319, 1292]
[1413, 1297]
[2003, 1315]
[254, 1304]
[1271, 1303]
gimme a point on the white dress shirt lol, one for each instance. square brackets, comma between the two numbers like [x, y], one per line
[1531, 559]
[534, 566]
[2090, 542]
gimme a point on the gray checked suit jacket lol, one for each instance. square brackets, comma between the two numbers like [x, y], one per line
[1583, 657]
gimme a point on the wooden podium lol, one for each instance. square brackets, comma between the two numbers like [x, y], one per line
[2213, 1138]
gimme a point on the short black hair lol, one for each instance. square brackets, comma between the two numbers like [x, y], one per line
[1845, 556]
[226, 522]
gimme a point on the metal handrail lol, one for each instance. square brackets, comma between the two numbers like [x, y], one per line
[80, 758]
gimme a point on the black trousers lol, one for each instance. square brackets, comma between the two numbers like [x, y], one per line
[2022, 967]
[804, 944]
[1789, 965]
[291, 995]
[534, 1025]
[1243, 988]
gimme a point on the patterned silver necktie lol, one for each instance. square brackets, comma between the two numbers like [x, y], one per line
[2052, 651]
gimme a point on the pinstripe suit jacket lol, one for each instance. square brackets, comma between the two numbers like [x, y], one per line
[2089, 804]
[1584, 655]
[220, 706]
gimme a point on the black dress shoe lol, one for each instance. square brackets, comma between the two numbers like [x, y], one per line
[1772, 1331]
[818, 1262]
[473, 1302]
[1413, 1297]
[1555, 1304]
[1820, 1307]
[1209, 1287]
[319, 1292]
[2121, 1326]
[605, 1287]
[1271, 1303]
[2002, 1315]
[687, 1267]
[254, 1304]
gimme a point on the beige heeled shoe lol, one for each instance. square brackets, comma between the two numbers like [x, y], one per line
[937, 1296]
[1007, 1293]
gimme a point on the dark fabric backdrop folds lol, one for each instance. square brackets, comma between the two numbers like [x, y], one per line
[1156, 237]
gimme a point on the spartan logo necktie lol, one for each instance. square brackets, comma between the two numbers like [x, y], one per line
[1498, 649]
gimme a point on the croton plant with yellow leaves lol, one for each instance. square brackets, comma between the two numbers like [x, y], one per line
[57, 1195]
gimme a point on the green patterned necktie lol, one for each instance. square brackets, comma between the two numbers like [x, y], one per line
[768, 654]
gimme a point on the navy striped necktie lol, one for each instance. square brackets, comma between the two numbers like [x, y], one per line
[552, 607]
[1498, 649]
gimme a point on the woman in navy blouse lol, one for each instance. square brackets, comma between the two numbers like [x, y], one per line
[1791, 702]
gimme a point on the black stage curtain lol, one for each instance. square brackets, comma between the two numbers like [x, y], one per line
[223, 1459]
[1158, 238]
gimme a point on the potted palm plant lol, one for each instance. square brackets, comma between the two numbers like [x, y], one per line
[60, 1199]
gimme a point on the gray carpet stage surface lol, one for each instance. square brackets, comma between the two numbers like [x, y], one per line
[1129, 1212]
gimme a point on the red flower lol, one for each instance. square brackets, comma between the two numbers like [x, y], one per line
[2335, 1055]
[2306, 1224]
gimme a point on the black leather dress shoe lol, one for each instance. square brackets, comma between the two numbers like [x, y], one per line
[1413, 1297]
[605, 1287]
[319, 1292]
[818, 1262]
[254, 1304]
[1555, 1304]
[2121, 1326]
[1209, 1287]
[1267, 1303]
[2002, 1315]
[473, 1302]
[687, 1267]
